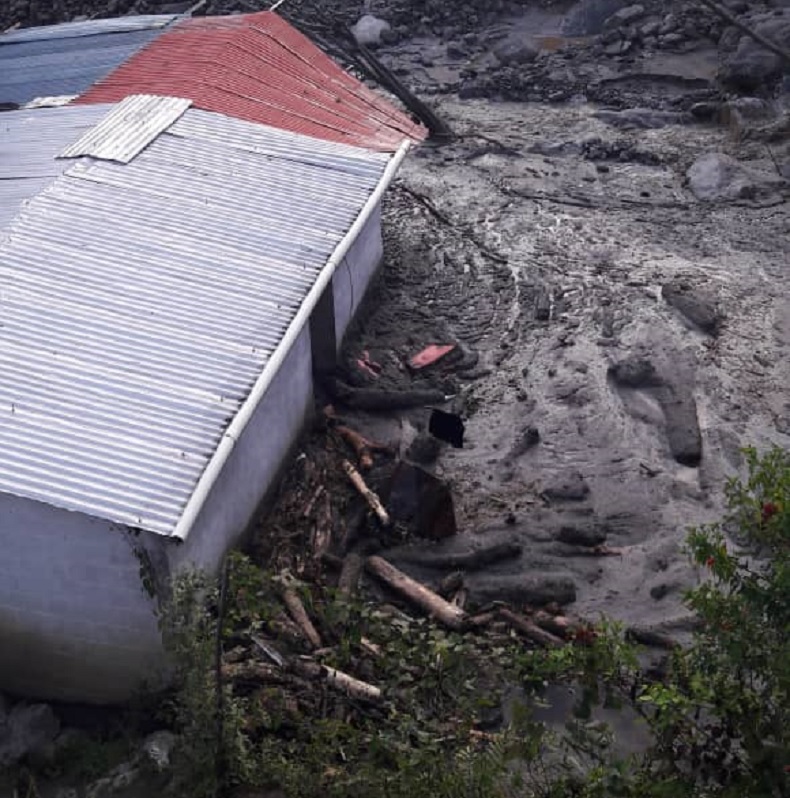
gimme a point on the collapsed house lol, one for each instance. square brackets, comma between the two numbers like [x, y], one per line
[178, 255]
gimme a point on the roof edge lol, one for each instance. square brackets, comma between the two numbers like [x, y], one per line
[219, 458]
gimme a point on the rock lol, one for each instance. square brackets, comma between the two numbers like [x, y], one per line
[526, 439]
[695, 305]
[705, 110]
[424, 449]
[571, 488]
[625, 16]
[635, 372]
[650, 29]
[588, 17]
[525, 589]
[158, 747]
[582, 536]
[368, 30]
[642, 118]
[751, 66]
[715, 177]
[515, 51]
[26, 729]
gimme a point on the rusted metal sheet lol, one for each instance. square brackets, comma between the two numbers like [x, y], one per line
[128, 128]
[141, 302]
[258, 68]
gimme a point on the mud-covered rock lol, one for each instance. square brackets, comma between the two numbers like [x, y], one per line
[635, 372]
[716, 177]
[752, 66]
[694, 304]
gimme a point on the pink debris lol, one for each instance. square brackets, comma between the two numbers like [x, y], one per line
[430, 355]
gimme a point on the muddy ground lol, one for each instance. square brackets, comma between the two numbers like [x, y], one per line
[639, 332]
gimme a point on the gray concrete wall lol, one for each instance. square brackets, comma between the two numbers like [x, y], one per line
[353, 277]
[75, 623]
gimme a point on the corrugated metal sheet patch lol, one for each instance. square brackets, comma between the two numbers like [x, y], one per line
[259, 68]
[29, 143]
[129, 128]
[141, 301]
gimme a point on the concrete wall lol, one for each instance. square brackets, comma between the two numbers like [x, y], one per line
[353, 276]
[75, 622]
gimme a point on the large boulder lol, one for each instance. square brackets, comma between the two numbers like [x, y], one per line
[370, 31]
[716, 177]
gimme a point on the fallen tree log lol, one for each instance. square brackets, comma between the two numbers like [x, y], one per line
[530, 630]
[251, 671]
[443, 611]
[370, 497]
[297, 611]
[381, 399]
[651, 638]
[340, 681]
[556, 624]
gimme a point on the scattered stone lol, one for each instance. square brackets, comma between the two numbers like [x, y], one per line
[515, 51]
[694, 305]
[635, 372]
[26, 729]
[715, 177]
[660, 591]
[369, 30]
[526, 440]
[570, 488]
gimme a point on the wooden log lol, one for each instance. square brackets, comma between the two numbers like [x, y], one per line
[340, 681]
[444, 612]
[308, 510]
[297, 611]
[322, 531]
[363, 447]
[370, 497]
[558, 625]
[530, 630]
[479, 621]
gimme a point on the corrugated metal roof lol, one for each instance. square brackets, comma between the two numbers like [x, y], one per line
[129, 128]
[141, 301]
[259, 68]
[29, 143]
[67, 59]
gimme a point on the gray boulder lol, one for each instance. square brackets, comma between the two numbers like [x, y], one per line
[717, 177]
[515, 51]
[370, 31]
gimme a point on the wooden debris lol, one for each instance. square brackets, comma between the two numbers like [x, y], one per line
[472, 559]
[321, 539]
[308, 510]
[268, 650]
[370, 497]
[556, 624]
[363, 447]
[530, 630]
[342, 682]
[369, 647]
[297, 611]
[479, 621]
[418, 594]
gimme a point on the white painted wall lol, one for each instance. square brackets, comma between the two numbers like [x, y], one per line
[75, 622]
[353, 276]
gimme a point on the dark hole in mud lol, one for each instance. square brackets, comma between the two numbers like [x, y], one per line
[421, 502]
[447, 427]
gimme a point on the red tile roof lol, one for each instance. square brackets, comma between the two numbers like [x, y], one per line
[259, 68]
